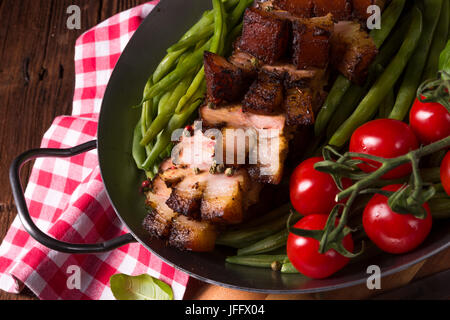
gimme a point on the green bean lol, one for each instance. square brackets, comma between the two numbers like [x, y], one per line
[389, 18]
[413, 74]
[289, 268]
[189, 64]
[138, 151]
[218, 26]
[354, 95]
[198, 80]
[258, 261]
[387, 105]
[342, 84]
[230, 4]
[177, 121]
[236, 15]
[438, 44]
[244, 237]
[266, 218]
[440, 206]
[166, 64]
[340, 87]
[368, 106]
[269, 244]
[192, 40]
[166, 112]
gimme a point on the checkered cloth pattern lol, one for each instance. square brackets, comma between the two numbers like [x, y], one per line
[66, 197]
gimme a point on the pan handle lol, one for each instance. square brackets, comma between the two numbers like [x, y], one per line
[25, 218]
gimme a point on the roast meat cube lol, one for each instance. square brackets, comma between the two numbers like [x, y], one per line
[352, 51]
[311, 44]
[264, 97]
[299, 107]
[264, 35]
[225, 82]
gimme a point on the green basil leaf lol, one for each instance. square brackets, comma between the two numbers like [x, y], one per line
[444, 62]
[143, 287]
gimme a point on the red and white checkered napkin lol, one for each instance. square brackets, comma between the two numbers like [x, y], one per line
[66, 197]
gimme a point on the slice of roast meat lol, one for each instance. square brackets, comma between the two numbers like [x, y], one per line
[192, 235]
[265, 96]
[264, 35]
[311, 42]
[352, 51]
[233, 116]
[159, 222]
[225, 82]
[267, 155]
[181, 232]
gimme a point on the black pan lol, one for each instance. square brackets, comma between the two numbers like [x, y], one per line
[164, 26]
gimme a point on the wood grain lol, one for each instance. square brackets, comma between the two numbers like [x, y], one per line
[36, 85]
[37, 77]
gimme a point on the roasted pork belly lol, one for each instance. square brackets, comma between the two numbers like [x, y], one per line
[200, 187]
[311, 42]
[300, 8]
[265, 95]
[181, 232]
[233, 116]
[246, 62]
[299, 106]
[264, 35]
[225, 82]
[268, 153]
[192, 235]
[294, 78]
[340, 9]
[352, 51]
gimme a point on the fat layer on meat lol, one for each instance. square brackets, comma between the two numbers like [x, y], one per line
[352, 51]
[181, 232]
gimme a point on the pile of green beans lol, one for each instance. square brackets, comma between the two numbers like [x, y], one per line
[342, 84]
[408, 57]
[177, 87]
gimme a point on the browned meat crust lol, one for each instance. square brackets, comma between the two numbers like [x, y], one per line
[264, 35]
[265, 96]
[294, 78]
[311, 44]
[352, 51]
[188, 234]
[299, 107]
[225, 82]
[340, 9]
[300, 8]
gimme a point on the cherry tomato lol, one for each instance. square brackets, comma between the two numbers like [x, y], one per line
[311, 191]
[429, 121]
[304, 252]
[445, 173]
[384, 138]
[393, 232]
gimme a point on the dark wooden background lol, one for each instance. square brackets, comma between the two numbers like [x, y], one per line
[36, 85]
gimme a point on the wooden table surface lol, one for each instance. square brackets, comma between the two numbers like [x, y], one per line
[36, 85]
